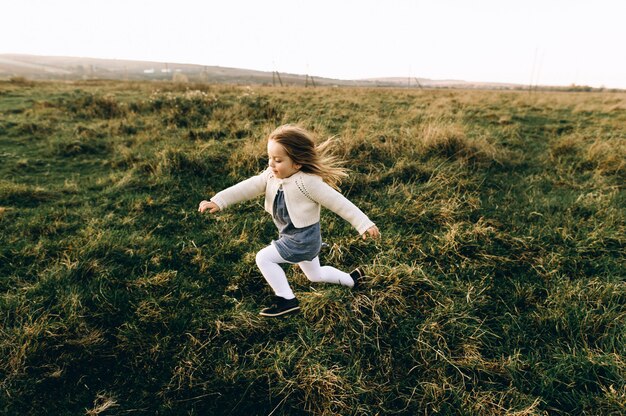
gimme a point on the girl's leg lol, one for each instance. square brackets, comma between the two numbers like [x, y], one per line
[326, 274]
[268, 261]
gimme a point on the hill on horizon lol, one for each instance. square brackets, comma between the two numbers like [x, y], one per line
[83, 68]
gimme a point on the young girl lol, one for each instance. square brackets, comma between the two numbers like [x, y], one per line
[301, 177]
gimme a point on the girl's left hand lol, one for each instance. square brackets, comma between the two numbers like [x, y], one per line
[372, 231]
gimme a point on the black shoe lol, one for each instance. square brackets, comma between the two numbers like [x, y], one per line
[281, 306]
[357, 275]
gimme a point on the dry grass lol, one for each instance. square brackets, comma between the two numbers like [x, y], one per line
[496, 289]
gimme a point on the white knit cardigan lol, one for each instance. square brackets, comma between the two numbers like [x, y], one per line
[304, 195]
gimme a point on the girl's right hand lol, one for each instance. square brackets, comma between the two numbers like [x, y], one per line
[211, 206]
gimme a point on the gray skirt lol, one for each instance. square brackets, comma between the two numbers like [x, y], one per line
[294, 244]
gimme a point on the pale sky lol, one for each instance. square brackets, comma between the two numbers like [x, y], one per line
[546, 42]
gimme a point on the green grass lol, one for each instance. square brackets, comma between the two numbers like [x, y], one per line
[498, 286]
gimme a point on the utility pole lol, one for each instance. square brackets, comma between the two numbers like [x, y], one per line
[532, 74]
[275, 73]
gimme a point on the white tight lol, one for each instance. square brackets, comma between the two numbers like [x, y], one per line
[269, 259]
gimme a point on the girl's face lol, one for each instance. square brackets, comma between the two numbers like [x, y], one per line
[281, 164]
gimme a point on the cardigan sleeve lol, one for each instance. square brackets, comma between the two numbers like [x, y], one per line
[329, 198]
[242, 191]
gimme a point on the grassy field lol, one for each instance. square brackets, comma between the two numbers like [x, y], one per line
[498, 286]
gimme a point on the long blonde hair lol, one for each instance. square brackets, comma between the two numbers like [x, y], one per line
[300, 147]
